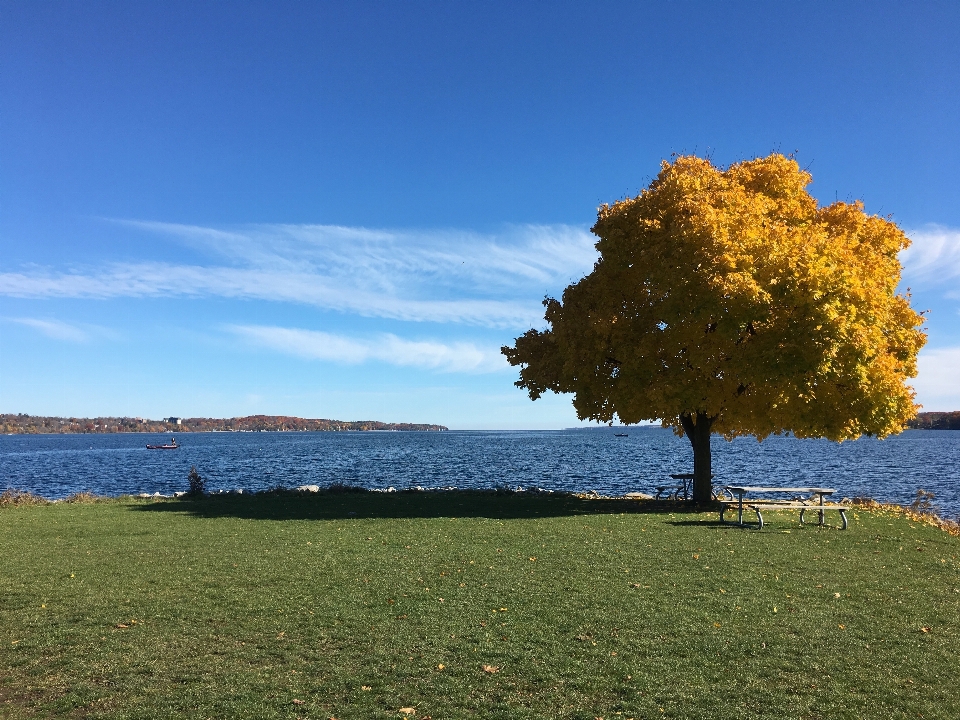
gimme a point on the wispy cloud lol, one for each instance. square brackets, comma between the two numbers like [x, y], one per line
[937, 382]
[934, 256]
[160, 279]
[438, 275]
[387, 348]
[53, 329]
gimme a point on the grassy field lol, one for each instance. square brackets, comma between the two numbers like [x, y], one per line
[454, 605]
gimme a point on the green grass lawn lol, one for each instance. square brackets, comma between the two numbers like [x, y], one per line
[470, 605]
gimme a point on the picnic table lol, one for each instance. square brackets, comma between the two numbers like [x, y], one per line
[684, 486]
[813, 501]
[676, 488]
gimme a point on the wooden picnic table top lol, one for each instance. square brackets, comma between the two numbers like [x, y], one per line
[767, 489]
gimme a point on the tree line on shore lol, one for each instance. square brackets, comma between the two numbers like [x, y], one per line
[936, 421]
[23, 424]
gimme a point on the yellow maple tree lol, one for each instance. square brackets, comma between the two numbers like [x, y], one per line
[728, 301]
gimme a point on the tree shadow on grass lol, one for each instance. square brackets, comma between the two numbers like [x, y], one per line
[407, 504]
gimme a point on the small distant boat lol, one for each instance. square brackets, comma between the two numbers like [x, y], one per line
[172, 445]
[620, 435]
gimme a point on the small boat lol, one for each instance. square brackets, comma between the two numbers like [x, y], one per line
[172, 445]
[620, 435]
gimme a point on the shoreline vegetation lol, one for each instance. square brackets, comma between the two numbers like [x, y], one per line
[23, 424]
[450, 604]
[936, 421]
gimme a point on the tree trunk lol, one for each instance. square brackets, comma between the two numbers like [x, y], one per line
[697, 429]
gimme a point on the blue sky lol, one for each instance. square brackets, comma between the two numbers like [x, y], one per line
[343, 210]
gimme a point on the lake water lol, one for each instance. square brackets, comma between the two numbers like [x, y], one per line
[890, 470]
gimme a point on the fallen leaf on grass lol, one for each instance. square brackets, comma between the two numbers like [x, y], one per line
[491, 669]
[408, 711]
[842, 626]
[926, 629]
[365, 688]
[635, 585]
[121, 625]
[298, 702]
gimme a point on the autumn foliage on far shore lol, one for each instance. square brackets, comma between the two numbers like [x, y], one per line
[22, 424]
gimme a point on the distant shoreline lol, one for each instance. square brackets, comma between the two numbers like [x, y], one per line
[936, 421]
[22, 424]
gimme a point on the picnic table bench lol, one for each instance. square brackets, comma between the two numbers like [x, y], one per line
[813, 502]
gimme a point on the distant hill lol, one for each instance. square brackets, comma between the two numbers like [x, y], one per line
[936, 421]
[22, 424]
